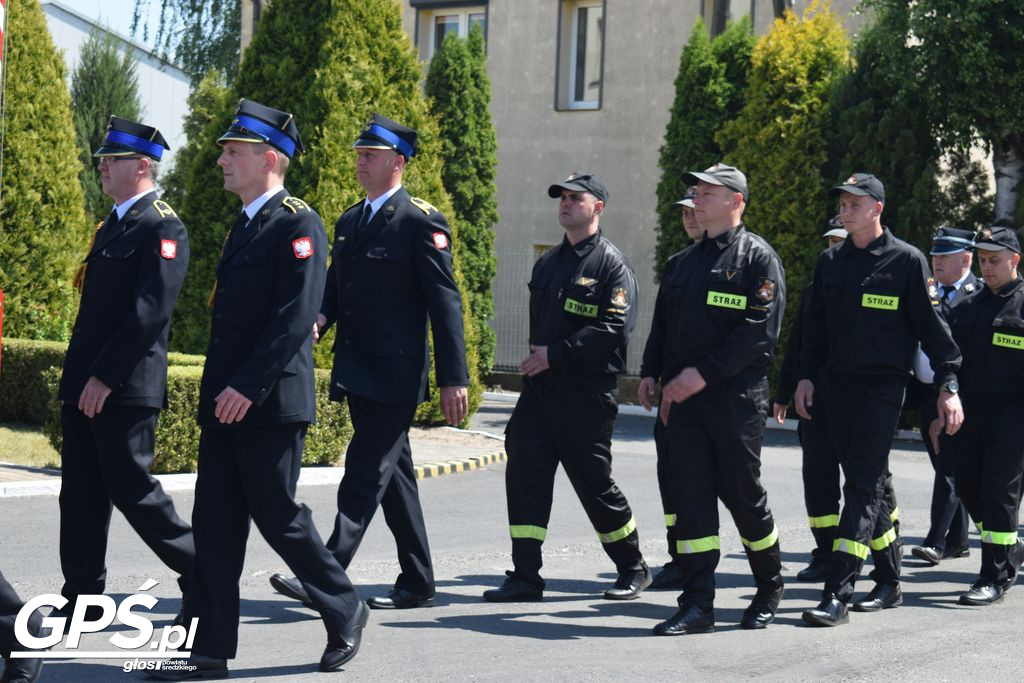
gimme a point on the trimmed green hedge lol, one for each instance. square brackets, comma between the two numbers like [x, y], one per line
[24, 394]
[28, 393]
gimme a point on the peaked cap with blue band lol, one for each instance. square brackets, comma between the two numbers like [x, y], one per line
[255, 122]
[383, 133]
[126, 138]
[952, 241]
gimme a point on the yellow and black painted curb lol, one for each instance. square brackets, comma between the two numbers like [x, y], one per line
[433, 470]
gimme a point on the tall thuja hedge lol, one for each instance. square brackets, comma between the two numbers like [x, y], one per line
[42, 211]
[460, 96]
[709, 90]
[780, 138]
[104, 82]
[332, 64]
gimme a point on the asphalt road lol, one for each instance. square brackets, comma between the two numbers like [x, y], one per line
[574, 634]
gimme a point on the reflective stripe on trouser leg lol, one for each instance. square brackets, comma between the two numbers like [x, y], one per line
[620, 533]
[762, 543]
[824, 522]
[692, 546]
[670, 520]
[537, 533]
[851, 547]
[999, 537]
[883, 541]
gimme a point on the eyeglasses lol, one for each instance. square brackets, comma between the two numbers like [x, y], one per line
[111, 159]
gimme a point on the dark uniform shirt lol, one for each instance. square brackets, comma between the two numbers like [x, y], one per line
[989, 329]
[719, 309]
[868, 308]
[583, 308]
[790, 369]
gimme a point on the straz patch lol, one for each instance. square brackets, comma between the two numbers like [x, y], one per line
[619, 298]
[880, 302]
[441, 240]
[765, 290]
[1008, 341]
[723, 300]
[168, 249]
[580, 308]
[302, 247]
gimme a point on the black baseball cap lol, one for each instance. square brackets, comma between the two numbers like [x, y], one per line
[720, 174]
[997, 239]
[863, 184]
[951, 241]
[687, 199]
[580, 182]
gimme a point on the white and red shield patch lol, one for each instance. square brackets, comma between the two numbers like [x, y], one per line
[440, 240]
[303, 247]
[168, 249]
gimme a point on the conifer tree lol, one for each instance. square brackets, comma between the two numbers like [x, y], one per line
[42, 209]
[709, 90]
[780, 138]
[332, 63]
[104, 82]
[460, 93]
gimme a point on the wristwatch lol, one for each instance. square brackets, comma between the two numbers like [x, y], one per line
[950, 387]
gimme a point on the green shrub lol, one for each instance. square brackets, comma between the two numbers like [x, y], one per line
[24, 395]
[177, 432]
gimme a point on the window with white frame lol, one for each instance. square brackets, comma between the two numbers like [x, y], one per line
[581, 54]
[436, 23]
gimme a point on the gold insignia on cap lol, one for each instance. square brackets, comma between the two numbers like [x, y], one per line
[713, 168]
[852, 180]
[985, 234]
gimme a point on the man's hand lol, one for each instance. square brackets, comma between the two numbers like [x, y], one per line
[454, 404]
[536, 362]
[779, 411]
[93, 396]
[934, 430]
[951, 413]
[683, 386]
[645, 393]
[231, 406]
[804, 398]
[321, 321]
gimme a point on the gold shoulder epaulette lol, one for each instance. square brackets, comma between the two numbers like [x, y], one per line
[294, 204]
[423, 205]
[163, 208]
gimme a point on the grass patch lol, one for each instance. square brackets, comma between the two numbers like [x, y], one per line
[24, 444]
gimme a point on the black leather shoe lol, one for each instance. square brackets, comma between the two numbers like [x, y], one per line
[927, 553]
[292, 588]
[816, 572]
[829, 612]
[630, 585]
[761, 611]
[690, 619]
[22, 671]
[983, 592]
[400, 598]
[515, 589]
[669, 576]
[195, 667]
[882, 596]
[962, 551]
[344, 646]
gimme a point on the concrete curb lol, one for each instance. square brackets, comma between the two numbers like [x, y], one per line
[433, 470]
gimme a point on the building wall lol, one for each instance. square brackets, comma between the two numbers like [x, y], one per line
[163, 88]
[538, 145]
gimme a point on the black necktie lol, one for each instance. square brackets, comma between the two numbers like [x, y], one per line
[364, 221]
[236, 228]
[947, 291]
[107, 228]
